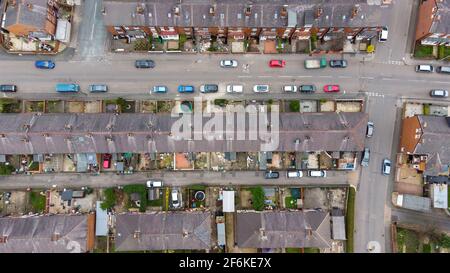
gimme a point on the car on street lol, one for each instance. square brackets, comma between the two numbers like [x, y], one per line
[294, 174]
[439, 93]
[185, 89]
[424, 68]
[308, 88]
[154, 184]
[370, 128]
[107, 161]
[271, 175]
[338, 63]
[209, 88]
[144, 64]
[320, 173]
[277, 63]
[386, 167]
[8, 88]
[175, 200]
[159, 89]
[365, 158]
[228, 63]
[443, 69]
[261, 88]
[235, 88]
[290, 88]
[331, 88]
[383, 35]
[44, 64]
[98, 88]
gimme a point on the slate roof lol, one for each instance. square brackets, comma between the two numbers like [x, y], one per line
[158, 231]
[280, 229]
[34, 234]
[29, 133]
[231, 13]
[441, 21]
[21, 14]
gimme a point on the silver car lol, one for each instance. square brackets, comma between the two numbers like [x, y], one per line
[386, 167]
[365, 158]
[370, 127]
[228, 63]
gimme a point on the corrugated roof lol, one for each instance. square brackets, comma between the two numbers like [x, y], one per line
[159, 231]
[338, 227]
[101, 220]
[44, 234]
[440, 199]
[29, 133]
[277, 229]
[228, 201]
[418, 203]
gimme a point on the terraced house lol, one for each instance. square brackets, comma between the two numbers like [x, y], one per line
[247, 26]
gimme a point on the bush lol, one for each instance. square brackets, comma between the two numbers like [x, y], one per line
[122, 103]
[221, 102]
[444, 241]
[6, 169]
[426, 109]
[258, 198]
[8, 105]
[182, 40]
[110, 199]
[294, 106]
[350, 219]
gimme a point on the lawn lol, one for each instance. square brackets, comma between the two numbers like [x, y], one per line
[258, 198]
[293, 250]
[422, 51]
[350, 219]
[426, 248]
[311, 250]
[407, 241]
[443, 52]
[8, 105]
[142, 190]
[6, 169]
[155, 203]
[290, 202]
[37, 201]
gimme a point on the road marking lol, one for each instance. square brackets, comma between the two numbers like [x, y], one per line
[345, 77]
[93, 25]
[329, 77]
[244, 76]
[264, 76]
[416, 80]
[388, 79]
[368, 78]
[285, 76]
[304, 76]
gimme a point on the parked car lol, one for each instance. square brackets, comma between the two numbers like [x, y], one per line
[290, 88]
[443, 69]
[159, 89]
[45, 47]
[235, 88]
[331, 88]
[185, 89]
[338, 63]
[271, 175]
[228, 63]
[439, 93]
[107, 161]
[320, 173]
[144, 64]
[277, 63]
[424, 68]
[261, 88]
[370, 128]
[8, 88]
[307, 88]
[154, 184]
[42, 64]
[98, 88]
[386, 167]
[365, 158]
[383, 35]
[294, 174]
[209, 88]
[175, 200]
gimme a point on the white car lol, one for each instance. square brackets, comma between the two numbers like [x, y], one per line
[235, 88]
[175, 200]
[290, 88]
[383, 35]
[228, 63]
[261, 88]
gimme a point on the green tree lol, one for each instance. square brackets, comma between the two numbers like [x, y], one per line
[294, 106]
[444, 241]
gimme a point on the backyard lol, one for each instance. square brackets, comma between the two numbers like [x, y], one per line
[10, 105]
[422, 51]
[37, 200]
[350, 219]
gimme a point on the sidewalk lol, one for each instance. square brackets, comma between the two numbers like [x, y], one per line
[178, 178]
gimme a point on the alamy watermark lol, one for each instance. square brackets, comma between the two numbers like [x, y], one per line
[234, 123]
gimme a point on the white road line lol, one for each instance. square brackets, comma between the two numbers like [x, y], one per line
[93, 25]
[325, 77]
[304, 76]
[368, 78]
[244, 76]
[285, 76]
[388, 79]
[440, 82]
[264, 76]
[345, 77]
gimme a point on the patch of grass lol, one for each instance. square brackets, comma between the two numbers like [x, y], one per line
[9, 105]
[221, 102]
[426, 109]
[6, 169]
[142, 190]
[294, 106]
[422, 51]
[350, 219]
[408, 240]
[443, 52]
[426, 248]
[197, 187]
[37, 201]
[257, 198]
[311, 250]
[290, 202]
[110, 199]
[182, 40]
[293, 250]
[155, 203]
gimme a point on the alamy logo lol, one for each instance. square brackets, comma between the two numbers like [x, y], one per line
[234, 123]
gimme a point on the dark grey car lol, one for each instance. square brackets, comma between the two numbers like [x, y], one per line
[338, 63]
[209, 88]
[307, 88]
[271, 175]
[144, 64]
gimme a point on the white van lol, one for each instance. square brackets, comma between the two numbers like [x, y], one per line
[294, 174]
[317, 173]
[424, 68]
[235, 88]
[383, 35]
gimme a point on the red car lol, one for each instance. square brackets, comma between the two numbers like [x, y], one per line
[331, 88]
[107, 161]
[277, 63]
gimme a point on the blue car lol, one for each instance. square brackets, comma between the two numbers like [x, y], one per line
[45, 64]
[185, 89]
